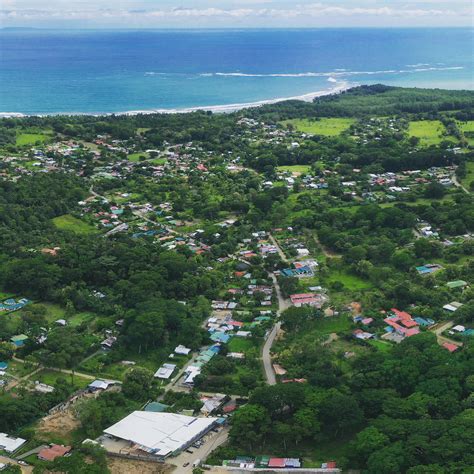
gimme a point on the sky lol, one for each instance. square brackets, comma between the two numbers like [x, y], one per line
[234, 13]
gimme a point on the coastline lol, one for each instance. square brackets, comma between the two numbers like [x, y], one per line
[227, 108]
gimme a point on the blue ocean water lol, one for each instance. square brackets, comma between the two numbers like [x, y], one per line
[45, 71]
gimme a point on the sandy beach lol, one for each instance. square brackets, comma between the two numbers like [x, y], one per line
[228, 108]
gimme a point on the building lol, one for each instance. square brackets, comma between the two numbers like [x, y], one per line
[9, 443]
[161, 434]
[53, 452]
[165, 371]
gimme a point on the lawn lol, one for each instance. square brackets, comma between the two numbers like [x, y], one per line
[23, 139]
[295, 168]
[335, 324]
[468, 129]
[240, 344]
[469, 179]
[50, 377]
[72, 224]
[430, 132]
[329, 127]
[351, 282]
[380, 345]
[136, 156]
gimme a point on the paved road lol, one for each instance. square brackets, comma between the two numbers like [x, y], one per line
[267, 347]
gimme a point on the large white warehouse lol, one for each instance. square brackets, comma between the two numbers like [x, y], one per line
[161, 434]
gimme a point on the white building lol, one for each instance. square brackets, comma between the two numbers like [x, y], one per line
[161, 434]
[165, 371]
[10, 444]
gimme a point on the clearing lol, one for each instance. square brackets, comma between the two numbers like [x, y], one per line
[329, 127]
[350, 282]
[430, 132]
[467, 129]
[60, 424]
[72, 224]
[23, 139]
[295, 168]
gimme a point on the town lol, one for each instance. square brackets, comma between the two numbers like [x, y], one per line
[270, 289]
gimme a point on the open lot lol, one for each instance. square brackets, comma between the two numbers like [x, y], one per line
[72, 224]
[23, 139]
[430, 132]
[295, 168]
[329, 127]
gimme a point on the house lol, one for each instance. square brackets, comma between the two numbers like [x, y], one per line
[363, 335]
[182, 350]
[450, 347]
[53, 452]
[99, 385]
[108, 343]
[156, 407]
[456, 284]
[428, 268]
[276, 462]
[452, 307]
[19, 340]
[401, 323]
[307, 299]
[165, 371]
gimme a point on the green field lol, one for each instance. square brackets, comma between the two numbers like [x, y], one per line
[469, 179]
[240, 344]
[72, 224]
[295, 168]
[50, 377]
[380, 345]
[329, 127]
[350, 282]
[335, 324]
[136, 156]
[430, 132]
[468, 129]
[23, 139]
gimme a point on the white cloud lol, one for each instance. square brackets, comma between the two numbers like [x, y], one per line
[254, 12]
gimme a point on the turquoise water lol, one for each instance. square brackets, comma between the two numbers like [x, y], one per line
[44, 71]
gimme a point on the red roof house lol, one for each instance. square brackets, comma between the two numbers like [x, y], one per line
[450, 347]
[53, 452]
[276, 462]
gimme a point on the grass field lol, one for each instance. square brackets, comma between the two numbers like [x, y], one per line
[23, 139]
[329, 127]
[468, 127]
[351, 282]
[240, 344]
[136, 156]
[430, 132]
[71, 224]
[380, 345]
[295, 168]
[329, 325]
[466, 182]
[50, 377]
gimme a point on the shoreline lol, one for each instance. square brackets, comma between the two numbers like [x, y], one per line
[227, 108]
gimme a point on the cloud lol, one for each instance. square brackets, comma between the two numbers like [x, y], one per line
[250, 11]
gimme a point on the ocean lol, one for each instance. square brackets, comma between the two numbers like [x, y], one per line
[88, 71]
